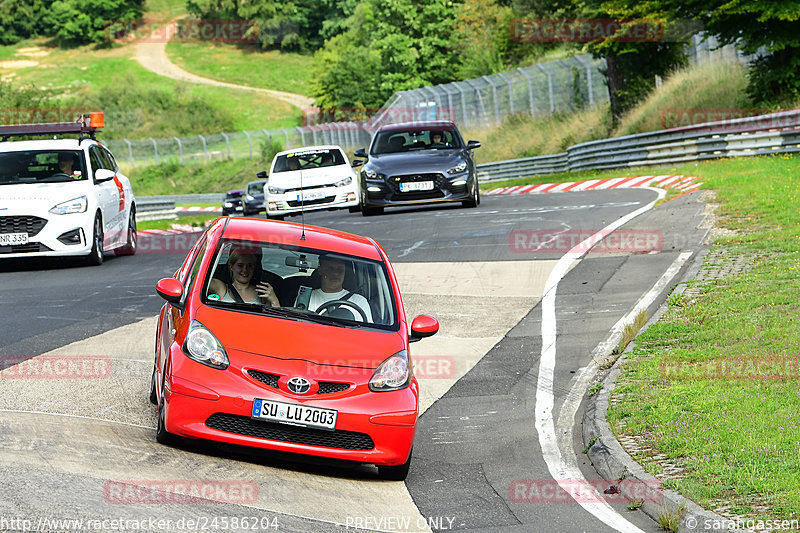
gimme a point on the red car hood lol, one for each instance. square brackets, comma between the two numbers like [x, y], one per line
[291, 339]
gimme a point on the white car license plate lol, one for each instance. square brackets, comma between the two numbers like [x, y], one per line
[416, 186]
[9, 239]
[294, 414]
[313, 195]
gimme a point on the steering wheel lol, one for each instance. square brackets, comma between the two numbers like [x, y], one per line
[341, 303]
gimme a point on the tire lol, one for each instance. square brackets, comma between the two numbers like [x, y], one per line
[274, 217]
[153, 395]
[395, 473]
[95, 257]
[475, 200]
[371, 211]
[354, 208]
[133, 238]
[162, 435]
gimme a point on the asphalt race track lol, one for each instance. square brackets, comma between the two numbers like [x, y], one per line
[497, 444]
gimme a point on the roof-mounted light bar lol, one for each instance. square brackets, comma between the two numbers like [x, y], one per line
[88, 123]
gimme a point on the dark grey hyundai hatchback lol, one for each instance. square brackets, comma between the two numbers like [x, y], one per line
[418, 163]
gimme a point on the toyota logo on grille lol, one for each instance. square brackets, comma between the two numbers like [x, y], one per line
[298, 385]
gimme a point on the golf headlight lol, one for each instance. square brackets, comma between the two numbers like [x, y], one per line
[393, 374]
[346, 181]
[76, 205]
[368, 172]
[202, 346]
[461, 167]
[275, 190]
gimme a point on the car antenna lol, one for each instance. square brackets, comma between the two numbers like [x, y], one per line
[302, 209]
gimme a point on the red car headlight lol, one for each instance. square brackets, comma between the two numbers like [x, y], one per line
[392, 374]
[202, 346]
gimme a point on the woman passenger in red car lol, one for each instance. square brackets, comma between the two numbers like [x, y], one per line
[241, 266]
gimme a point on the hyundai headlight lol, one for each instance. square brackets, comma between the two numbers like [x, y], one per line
[76, 205]
[202, 346]
[368, 172]
[461, 167]
[392, 374]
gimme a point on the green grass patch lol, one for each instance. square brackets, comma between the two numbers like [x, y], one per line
[194, 221]
[713, 384]
[211, 177]
[138, 103]
[244, 64]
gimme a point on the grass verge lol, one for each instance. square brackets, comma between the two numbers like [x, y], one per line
[199, 222]
[713, 384]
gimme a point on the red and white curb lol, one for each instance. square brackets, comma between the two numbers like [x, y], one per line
[682, 183]
[198, 209]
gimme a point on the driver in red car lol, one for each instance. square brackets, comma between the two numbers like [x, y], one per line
[331, 273]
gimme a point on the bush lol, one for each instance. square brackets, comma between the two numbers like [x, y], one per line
[269, 148]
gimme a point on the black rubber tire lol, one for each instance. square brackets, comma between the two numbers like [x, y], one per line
[475, 200]
[95, 257]
[153, 395]
[395, 473]
[162, 435]
[133, 237]
[371, 211]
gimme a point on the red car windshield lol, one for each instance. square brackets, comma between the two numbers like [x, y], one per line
[307, 283]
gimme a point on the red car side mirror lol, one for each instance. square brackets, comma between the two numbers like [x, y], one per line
[423, 326]
[170, 289]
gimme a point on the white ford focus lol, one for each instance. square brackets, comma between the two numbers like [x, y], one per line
[63, 196]
[310, 178]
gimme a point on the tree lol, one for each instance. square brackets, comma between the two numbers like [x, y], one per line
[769, 26]
[90, 21]
[391, 46]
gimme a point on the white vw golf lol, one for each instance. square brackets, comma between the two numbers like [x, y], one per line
[63, 196]
[310, 178]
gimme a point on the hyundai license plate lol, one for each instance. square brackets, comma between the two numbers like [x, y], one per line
[294, 414]
[416, 186]
[10, 239]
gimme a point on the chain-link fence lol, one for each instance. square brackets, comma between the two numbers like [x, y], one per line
[562, 86]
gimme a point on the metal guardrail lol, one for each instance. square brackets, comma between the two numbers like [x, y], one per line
[154, 208]
[774, 133]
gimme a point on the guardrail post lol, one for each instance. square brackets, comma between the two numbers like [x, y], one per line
[180, 149]
[155, 150]
[463, 103]
[549, 87]
[228, 144]
[205, 148]
[249, 142]
[285, 132]
[302, 135]
[480, 101]
[530, 90]
[130, 151]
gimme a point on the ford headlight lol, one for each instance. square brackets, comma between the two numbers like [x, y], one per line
[461, 167]
[76, 205]
[393, 374]
[346, 181]
[202, 346]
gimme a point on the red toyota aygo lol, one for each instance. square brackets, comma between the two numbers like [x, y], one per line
[291, 338]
